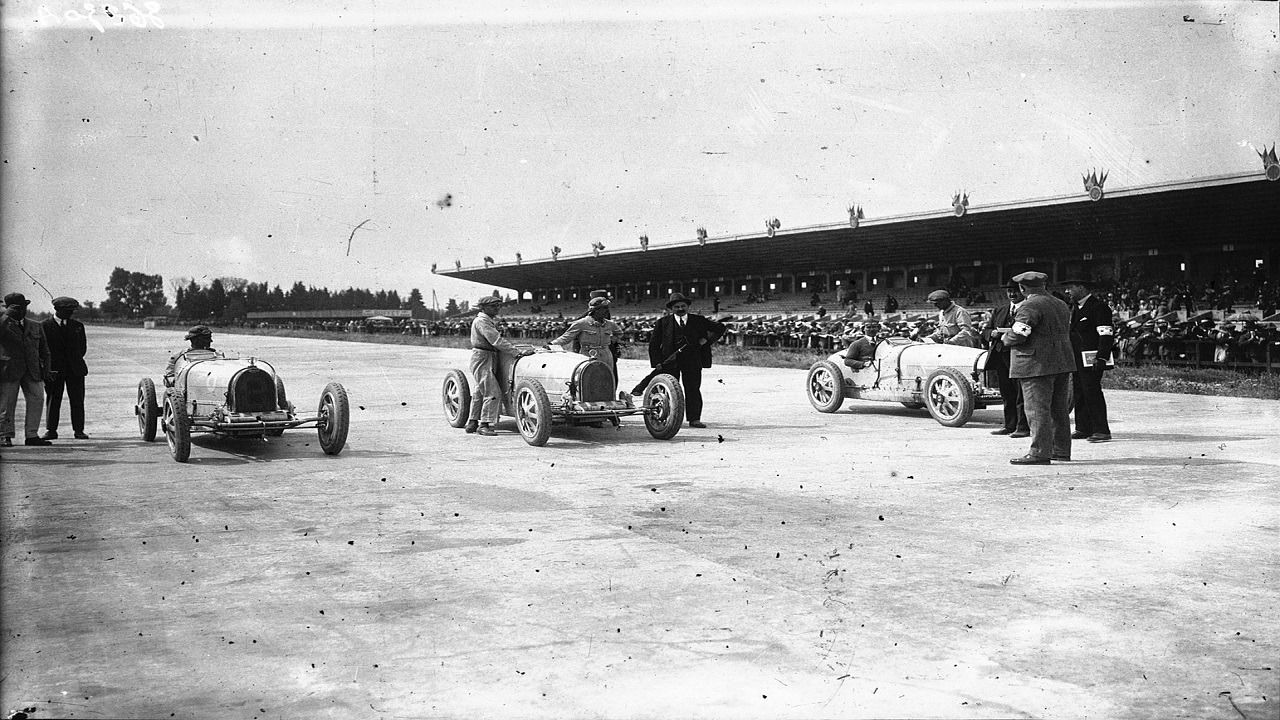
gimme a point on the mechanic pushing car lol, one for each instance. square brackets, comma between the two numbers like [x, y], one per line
[486, 343]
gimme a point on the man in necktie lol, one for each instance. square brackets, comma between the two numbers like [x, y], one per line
[24, 365]
[67, 346]
[692, 335]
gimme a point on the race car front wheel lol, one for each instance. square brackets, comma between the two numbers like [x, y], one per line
[533, 412]
[146, 409]
[949, 397]
[664, 399]
[335, 416]
[177, 429]
[825, 386]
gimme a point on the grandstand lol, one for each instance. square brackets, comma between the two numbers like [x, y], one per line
[1203, 231]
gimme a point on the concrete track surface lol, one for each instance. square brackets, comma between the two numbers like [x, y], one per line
[780, 563]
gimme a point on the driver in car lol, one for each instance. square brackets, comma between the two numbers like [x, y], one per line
[201, 338]
[862, 350]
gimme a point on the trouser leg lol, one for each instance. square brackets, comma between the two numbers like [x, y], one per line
[1080, 401]
[1060, 409]
[1038, 392]
[691, 378]
[1009, 394]
[53, 402]
[1090, 395]
[75, 396]
[33, 396]
[8, 406]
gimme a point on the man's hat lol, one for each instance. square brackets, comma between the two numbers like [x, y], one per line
[599, 293]
[1012, 285]
[937, 295]
[677, 298]
[597, 302]
[64, 301]
[1078, 281]
[1031, 278]
[488, 300]
[198, 331]
[16, 299]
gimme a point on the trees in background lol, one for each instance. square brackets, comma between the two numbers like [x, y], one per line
[133, 294]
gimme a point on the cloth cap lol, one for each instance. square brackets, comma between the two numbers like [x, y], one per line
[677, 298]
[197, 331]
[488, 300]
[600, 293]
[16, 299]
[597, 302]
[65, 301]
[937, 295]
[1031, 278]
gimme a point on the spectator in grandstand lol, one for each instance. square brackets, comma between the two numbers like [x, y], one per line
[1015, 415]
[687, 337]
[594, 335]
[954, 324]
[486, 343]
[868, 309]
[890, 304]
[1042, 361]
[1091, 324]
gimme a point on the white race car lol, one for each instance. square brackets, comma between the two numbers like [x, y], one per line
[950, 380]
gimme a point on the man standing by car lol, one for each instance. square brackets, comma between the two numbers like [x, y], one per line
[594, 335]
[955, 325]
[24, 366]
[486, 343]
[1015, 415]
[691, 335]
[1042, 360]
[67, 346]
[1091, 323]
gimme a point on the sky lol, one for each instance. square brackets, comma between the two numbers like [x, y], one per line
[250, 139]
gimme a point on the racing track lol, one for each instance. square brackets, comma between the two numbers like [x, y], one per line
[780, 563]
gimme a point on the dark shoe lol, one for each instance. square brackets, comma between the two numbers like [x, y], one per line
[471, 426]
[1062, 458]
[485, 430]
[1001, 431]
[1100, 437]
[1080, 435]
[1020, 434]
[50, 435]
[697, 424]
[82, 435]
[1029, 460]
[7, 442]
[36, 441]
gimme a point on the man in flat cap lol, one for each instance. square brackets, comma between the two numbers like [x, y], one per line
[1041, 359]
[594, 335]
[67, 347]
[1015, 414]
[201, 339]
[955, 325]
[486, 343]
[24, 366]
[692, 335]
[1091, 323]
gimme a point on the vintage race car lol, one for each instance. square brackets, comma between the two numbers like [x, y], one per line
[552, 388]
[234, 397]
[950, 380]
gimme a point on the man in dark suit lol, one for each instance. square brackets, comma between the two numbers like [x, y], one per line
[1015, 415]
[67, 346]
[1091, 326]
[692, 335]
[24, 366]
[1041, 360]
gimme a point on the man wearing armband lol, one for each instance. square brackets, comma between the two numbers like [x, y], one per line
[1091, 323]
[1042, 360]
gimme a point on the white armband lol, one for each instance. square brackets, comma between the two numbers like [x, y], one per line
[1022, 329]
[1105, 330]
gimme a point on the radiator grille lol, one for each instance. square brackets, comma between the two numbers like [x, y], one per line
[252, 390]
[595, 382]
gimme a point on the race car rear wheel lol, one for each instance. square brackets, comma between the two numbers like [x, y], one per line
[533, 412]
[825, 386]
[146, 410]
[456, 395]
[665, 399]
[949, 397]
[335, 416]
[177, 428]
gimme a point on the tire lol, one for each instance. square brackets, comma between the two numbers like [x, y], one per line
[825, 386]
[949, 396]
[335, 418]
[282, 401]
[146, 410]
[456, 395]
[665, 399]
[913, 405]
[533, 412]
[177, 426]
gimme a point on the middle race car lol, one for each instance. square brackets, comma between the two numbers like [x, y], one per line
[950, 380]
[552, 387]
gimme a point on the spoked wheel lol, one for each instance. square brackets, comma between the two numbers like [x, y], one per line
[456, 397]
[146, 409]
[665, 399]
[533, 412]
[177, 426]
[825, 386]
[335, 416]
[949, 397]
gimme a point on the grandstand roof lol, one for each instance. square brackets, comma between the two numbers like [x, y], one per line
[1165, 216]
